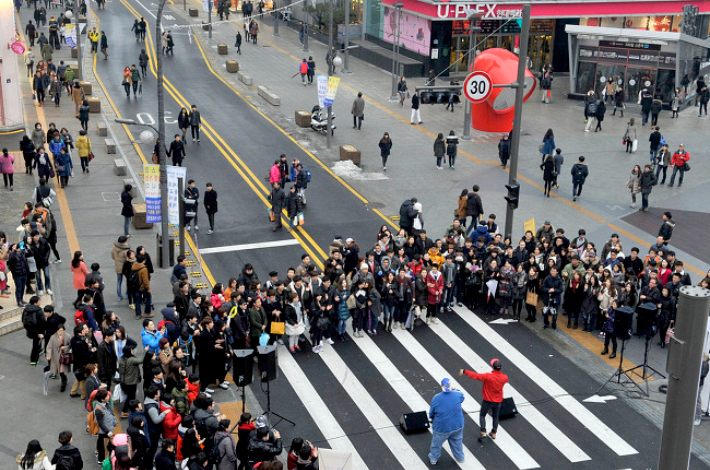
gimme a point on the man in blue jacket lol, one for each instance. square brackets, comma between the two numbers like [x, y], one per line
[446, 416]
[151, 336]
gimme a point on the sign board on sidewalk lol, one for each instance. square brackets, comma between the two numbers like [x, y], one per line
[477, 86]
[331, 90]
[174, 172]
[322, 82]
[530, 225]
[151, 177]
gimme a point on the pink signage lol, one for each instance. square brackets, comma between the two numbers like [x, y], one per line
[414, 34]
[17, 47]
[458, 10]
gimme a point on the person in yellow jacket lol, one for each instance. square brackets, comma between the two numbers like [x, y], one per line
[83, 147]
[94, 38]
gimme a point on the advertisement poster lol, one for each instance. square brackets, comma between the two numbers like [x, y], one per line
[322, 82]
[174, 172]
[70, 35]
[331, 90]
[151, 175]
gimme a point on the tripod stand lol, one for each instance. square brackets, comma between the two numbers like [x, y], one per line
[645, 367]
[621, 372]
[267, 371]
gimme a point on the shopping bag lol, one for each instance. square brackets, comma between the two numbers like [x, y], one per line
[264, 339]
[635, 145]
[278, 327]
[271, 215]
[669, 334]
[301, 218]
[531, 298]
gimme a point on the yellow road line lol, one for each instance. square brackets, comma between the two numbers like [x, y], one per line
[222, 146]
[12, 132]
[64, 209]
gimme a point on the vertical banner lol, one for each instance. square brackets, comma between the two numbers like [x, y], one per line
[206, 6]
[331, 90]
[70, 35]
[322, 82]
[174, 172]
[151, 177]
[530, 225]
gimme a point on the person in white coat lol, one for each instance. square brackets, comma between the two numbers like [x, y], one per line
[34, 458]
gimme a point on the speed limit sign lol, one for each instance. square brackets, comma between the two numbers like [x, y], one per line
[477, 87]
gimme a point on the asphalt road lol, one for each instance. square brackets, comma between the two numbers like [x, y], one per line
[361, 388]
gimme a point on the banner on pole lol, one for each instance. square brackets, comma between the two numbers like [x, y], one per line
[530, 225]
[322, 82]
[174, 172]
[331, 90]
[151, 176]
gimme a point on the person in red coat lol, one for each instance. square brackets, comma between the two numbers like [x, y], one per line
[172, 419]
[435, 288]
[193, 388]
[493, 383]
[680, 158]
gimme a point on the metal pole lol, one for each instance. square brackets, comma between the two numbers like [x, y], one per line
[77, 29]
[467, 104]
[305, 32]
[181, 209]
[276, 20]
[162, 156]
[329, 131]
[399, 33]
[517, 119]
[347, 37]
[184, 4]
[394, 58]
[683, 366]
[209, 20]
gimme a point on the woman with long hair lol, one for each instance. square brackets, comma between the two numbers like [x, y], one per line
[342, 294]
[547, 148]
[80, 271]
[385, 149]
[574, 295]
[532, 286]
[633, 183]
[462, 209]
[548, 173]
[590, 303]
[34, 458]
[59, 355]
[184, 122]
[517, 284]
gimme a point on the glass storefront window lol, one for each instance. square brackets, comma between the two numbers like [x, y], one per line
[585, 77]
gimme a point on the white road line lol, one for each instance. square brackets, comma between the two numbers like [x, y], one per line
[541, 424]
[377, 418]
[322, 416]
[406, 391]
[248, 246]
[569, 403]
[507, 444]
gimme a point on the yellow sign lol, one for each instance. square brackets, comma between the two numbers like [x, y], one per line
[530, 225]
[331, 90]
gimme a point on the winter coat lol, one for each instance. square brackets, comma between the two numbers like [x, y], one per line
[278, 199]
[452, 143]
[648, 179]
[548, 146]
[195, 119]
[54, 351]
[83, 146]
[118, 255]
[293, 204]
[127, 208]
[632, 184]
[41, 462]
[630, 134]
[434, 291]
[415, 101]
[601, 110]
[579, 172]
[439, 148]
[518, 282]
[69, 450]
[38, 138]
[129, 369]
[171, 421]
[104, 417]
[183, 120]
[385, 148]
[227, 451]
[7, 162]
[64, 160]
[274, 174]
[548, 170]
[358, 108]
[79, 278]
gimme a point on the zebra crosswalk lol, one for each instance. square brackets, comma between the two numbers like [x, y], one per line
[351, 395]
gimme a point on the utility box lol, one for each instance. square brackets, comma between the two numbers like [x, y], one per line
[349, 152]
[232, 66]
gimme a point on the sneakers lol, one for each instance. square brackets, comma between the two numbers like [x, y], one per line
[224, 386]
[132, 306]
[49, 292]
[483, 434]
[40, 293]
[330, 341]
[292, 349]
[208, 395]
[493, 435]
[210, 231]
[435, 321]
[280, 341]
[209, 390]
[316, 349]
[226, 382]
[189, 228]
[197, 227]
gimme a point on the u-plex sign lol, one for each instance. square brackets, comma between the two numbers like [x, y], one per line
[462, 10]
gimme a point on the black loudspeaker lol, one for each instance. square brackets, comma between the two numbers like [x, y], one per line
[243, 367]
[268, 363]
[507, 408]
[646, 321]
[622, 322]
[413, 423]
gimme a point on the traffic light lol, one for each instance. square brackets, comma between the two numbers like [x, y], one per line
[513, 196]
[439, 94]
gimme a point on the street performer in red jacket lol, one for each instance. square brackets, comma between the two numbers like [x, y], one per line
[493, 383]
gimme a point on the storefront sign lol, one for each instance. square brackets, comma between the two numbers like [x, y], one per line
[630, 45]
[460, 10]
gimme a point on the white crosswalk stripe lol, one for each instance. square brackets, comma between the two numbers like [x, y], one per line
[508, 445]
[391, 436]
[406, 391]
[323, 418]
[543, 425]
[569, 403]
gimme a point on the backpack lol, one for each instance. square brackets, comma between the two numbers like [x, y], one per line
[79, 317]
[215, 455]
[308, 175]
[592, 108]
[134, 281]
[29, 320]
[202, 429]
[65, 462]
[91, 425]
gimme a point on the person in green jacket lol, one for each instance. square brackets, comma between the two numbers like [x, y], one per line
[136, 78]
[258, 320]
[179, 393]
[129, 371]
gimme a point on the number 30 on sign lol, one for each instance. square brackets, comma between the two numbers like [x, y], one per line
[477, 87]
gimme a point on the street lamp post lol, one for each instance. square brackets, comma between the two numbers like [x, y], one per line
[346, 42]
[517, 117]
[395, 49]
[77, 31]
[331, 66]
[472, 58]
[164, 229]
[274, 16]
